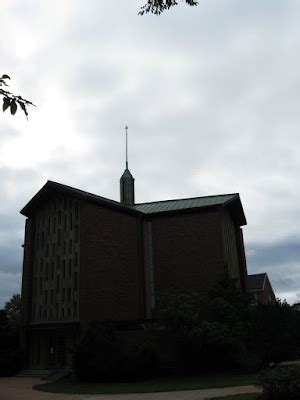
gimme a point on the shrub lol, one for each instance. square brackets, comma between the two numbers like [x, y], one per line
[281, 383]
[97, 357]
[102, 357]
[10, 361]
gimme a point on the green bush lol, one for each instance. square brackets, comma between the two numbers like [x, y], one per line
[102, 357]
[281, 383]
[10, 361]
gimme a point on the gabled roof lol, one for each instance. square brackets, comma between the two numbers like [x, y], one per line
[158, 207]
[53, 187]
[256, 281]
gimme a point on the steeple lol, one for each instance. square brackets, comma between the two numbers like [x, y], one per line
[127, 181]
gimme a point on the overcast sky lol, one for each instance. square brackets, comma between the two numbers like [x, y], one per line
[211, 95]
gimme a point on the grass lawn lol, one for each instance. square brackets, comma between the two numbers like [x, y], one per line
[165, 384]
[249, 396]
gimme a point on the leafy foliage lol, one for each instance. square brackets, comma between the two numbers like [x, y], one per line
[158, 6]
[13, 311]
[224, 326]
[102, 357]
[274, 333]
[10, 354]
[11, 101]
[281, 383]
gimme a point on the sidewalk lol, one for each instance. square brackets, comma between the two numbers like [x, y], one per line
[21, 389]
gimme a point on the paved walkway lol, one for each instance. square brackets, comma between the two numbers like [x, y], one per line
[21, 389]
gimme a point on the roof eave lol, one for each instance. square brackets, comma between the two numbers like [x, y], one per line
[50, 187]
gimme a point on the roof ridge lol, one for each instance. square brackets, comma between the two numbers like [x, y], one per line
[187, 198]
[89, 193]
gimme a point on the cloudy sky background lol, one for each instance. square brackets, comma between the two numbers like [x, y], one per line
[211, 96]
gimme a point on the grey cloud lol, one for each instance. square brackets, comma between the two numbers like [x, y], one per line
[210, 95]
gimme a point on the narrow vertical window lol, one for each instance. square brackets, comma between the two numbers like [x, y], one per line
[76, 233]
[52, 270]
[76, 210]
[57, 283]
[64, 268]
[75, 281]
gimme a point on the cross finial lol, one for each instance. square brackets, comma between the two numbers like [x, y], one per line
[126, 130]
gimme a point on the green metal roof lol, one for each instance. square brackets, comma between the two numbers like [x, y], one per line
[183, 204]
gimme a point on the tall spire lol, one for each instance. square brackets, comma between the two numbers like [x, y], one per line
[127, 180]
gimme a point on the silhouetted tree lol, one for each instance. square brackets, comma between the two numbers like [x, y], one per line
[13, 311]
[11, 100]
[158, 6]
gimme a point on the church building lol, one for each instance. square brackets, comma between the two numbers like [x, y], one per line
[88, 258]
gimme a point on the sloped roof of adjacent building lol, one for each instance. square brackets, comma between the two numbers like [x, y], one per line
[158, 207]
[256, 281]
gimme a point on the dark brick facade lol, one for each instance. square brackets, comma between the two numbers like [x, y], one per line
[120, 262]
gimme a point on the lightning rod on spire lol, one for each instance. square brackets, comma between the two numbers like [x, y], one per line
[126, 129]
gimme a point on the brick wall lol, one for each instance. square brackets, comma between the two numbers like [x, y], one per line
[110, 266]
[188, 253]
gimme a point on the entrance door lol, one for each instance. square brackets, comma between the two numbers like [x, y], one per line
[57, 352]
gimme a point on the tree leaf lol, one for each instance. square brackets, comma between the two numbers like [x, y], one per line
[13, 107]
[5, 77]
[22, 105]
[6, 103]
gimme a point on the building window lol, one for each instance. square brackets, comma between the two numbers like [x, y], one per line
[76, 259]
[75, 281]
[45, 314]
[41, 285]
[35, 286]
[64, 268]
[70, 267]
[65, 223]
[46, 297]
[71, 221]
[52, 296]
[75, 308]
[59, 216]
[41, 264]
[76, 233]
[63, 295]
[63, 312]
[52, 270]
[57, 310]
[76, 210]
[69, 294]
[69, 311]
[59, 237]
[57, 283]
[70, 246]
[40, 312]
